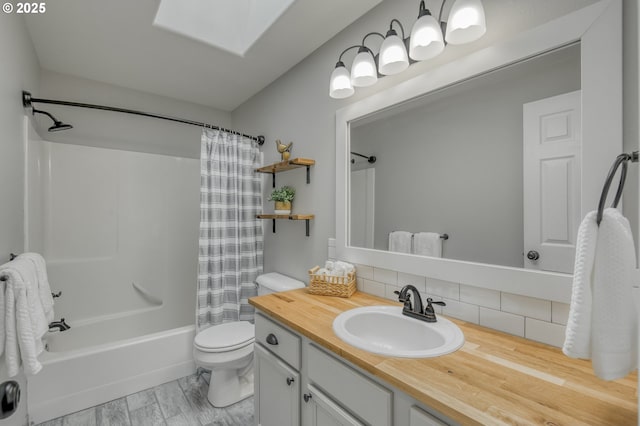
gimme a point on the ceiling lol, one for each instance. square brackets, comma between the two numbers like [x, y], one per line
[116, 42]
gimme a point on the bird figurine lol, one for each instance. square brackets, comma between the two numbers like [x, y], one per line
[284, 150]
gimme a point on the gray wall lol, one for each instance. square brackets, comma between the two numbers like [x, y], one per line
[631, 112]
[454, 164]
[18, 70]
[297, 107]
[123, 131]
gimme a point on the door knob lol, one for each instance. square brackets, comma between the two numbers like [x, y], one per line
[290, 380]
[307, 397]
[533, 255]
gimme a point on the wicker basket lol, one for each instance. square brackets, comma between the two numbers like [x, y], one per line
[327, 285]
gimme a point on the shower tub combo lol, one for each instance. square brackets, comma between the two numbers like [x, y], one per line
[119, 231]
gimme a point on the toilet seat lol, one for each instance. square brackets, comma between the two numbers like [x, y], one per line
[225, 337]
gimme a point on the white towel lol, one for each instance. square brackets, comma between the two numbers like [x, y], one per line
[400, 241]
[427, 244]
[346, 266]
[24, 320]
[43, 283]
[602, 321]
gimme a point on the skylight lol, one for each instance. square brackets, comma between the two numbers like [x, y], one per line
[231, 25]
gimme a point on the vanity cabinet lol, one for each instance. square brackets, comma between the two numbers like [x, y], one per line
[297, 382]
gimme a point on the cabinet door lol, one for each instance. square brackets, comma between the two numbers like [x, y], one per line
[277, 391]
[322, 411]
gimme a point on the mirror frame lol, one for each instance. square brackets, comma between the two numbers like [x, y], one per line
[598, 28]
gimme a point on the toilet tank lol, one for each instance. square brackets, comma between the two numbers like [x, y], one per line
[274, 282]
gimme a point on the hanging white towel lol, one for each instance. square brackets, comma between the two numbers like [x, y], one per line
[602, 321]
[25, 322]
[44, 290]
[427, 244]
[400, 241]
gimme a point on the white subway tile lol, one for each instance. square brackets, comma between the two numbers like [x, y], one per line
[375, 288]
[415, 280]
[332, 242]
[526, 306]
[364, 271]
[480, 296]
[443, 289]
[559, 312]
[545, 332]
[389, 292]
[331, 253]
[503, 321]
[386, 276]
[460, 310]
[360, 284]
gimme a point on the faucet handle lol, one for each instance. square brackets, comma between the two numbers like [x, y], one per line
[406, 300]
[438, 302]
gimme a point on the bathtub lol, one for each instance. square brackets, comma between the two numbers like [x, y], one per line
[107, 358]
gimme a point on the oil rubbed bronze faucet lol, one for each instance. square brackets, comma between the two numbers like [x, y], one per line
[60, 325]
[415, 310]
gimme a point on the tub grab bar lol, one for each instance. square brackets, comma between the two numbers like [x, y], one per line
[147, 295]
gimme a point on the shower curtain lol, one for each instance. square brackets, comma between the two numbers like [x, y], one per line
[230, 254]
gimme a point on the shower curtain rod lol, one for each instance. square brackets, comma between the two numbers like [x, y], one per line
[27, 100]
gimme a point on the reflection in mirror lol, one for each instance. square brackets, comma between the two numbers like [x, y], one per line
[481, 161]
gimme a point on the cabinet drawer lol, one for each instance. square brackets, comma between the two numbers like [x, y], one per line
[278, 340]
[418, 417]
[363, 397]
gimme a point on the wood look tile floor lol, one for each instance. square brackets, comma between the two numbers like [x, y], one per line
[182, 402]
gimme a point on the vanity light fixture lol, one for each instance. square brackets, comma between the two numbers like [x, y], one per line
[466, 23]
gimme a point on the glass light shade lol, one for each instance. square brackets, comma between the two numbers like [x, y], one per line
[466, 22]
[426, 39]
[363, 70]
[340, 83]
[393, 55]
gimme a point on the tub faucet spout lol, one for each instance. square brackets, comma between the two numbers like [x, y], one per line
[60, 325]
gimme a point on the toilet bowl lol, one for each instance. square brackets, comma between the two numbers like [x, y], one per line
[227, 349]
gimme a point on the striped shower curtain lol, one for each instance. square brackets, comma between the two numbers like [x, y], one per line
[230, 255]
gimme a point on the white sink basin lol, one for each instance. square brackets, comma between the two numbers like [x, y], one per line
[384, 330]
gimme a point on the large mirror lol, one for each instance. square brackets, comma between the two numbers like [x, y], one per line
[454, 171]
[485, 166]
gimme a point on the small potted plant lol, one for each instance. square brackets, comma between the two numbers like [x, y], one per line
[283, 198]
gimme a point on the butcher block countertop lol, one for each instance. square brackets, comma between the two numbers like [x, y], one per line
[495, 378]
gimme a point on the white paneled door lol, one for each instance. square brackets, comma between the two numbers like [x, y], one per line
[551, 167]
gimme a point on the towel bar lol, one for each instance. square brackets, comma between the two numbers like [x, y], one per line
[11, 257]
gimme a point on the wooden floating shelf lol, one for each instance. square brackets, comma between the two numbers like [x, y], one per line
[283, 166]
[287, 216]
[274, 217]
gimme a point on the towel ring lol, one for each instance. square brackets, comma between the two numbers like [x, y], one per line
[621, 160]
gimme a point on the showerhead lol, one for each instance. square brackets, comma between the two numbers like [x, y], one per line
[57, 124]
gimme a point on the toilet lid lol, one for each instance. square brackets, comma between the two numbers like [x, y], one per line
[225, 337]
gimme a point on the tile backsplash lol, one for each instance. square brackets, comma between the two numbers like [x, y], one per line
[535, 319]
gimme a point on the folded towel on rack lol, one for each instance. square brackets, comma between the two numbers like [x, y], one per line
[400, 241]
[46, 298]
[427, 244]
[24, 320]
[603, 323]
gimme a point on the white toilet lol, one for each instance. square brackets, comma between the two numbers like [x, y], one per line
[227, 349]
